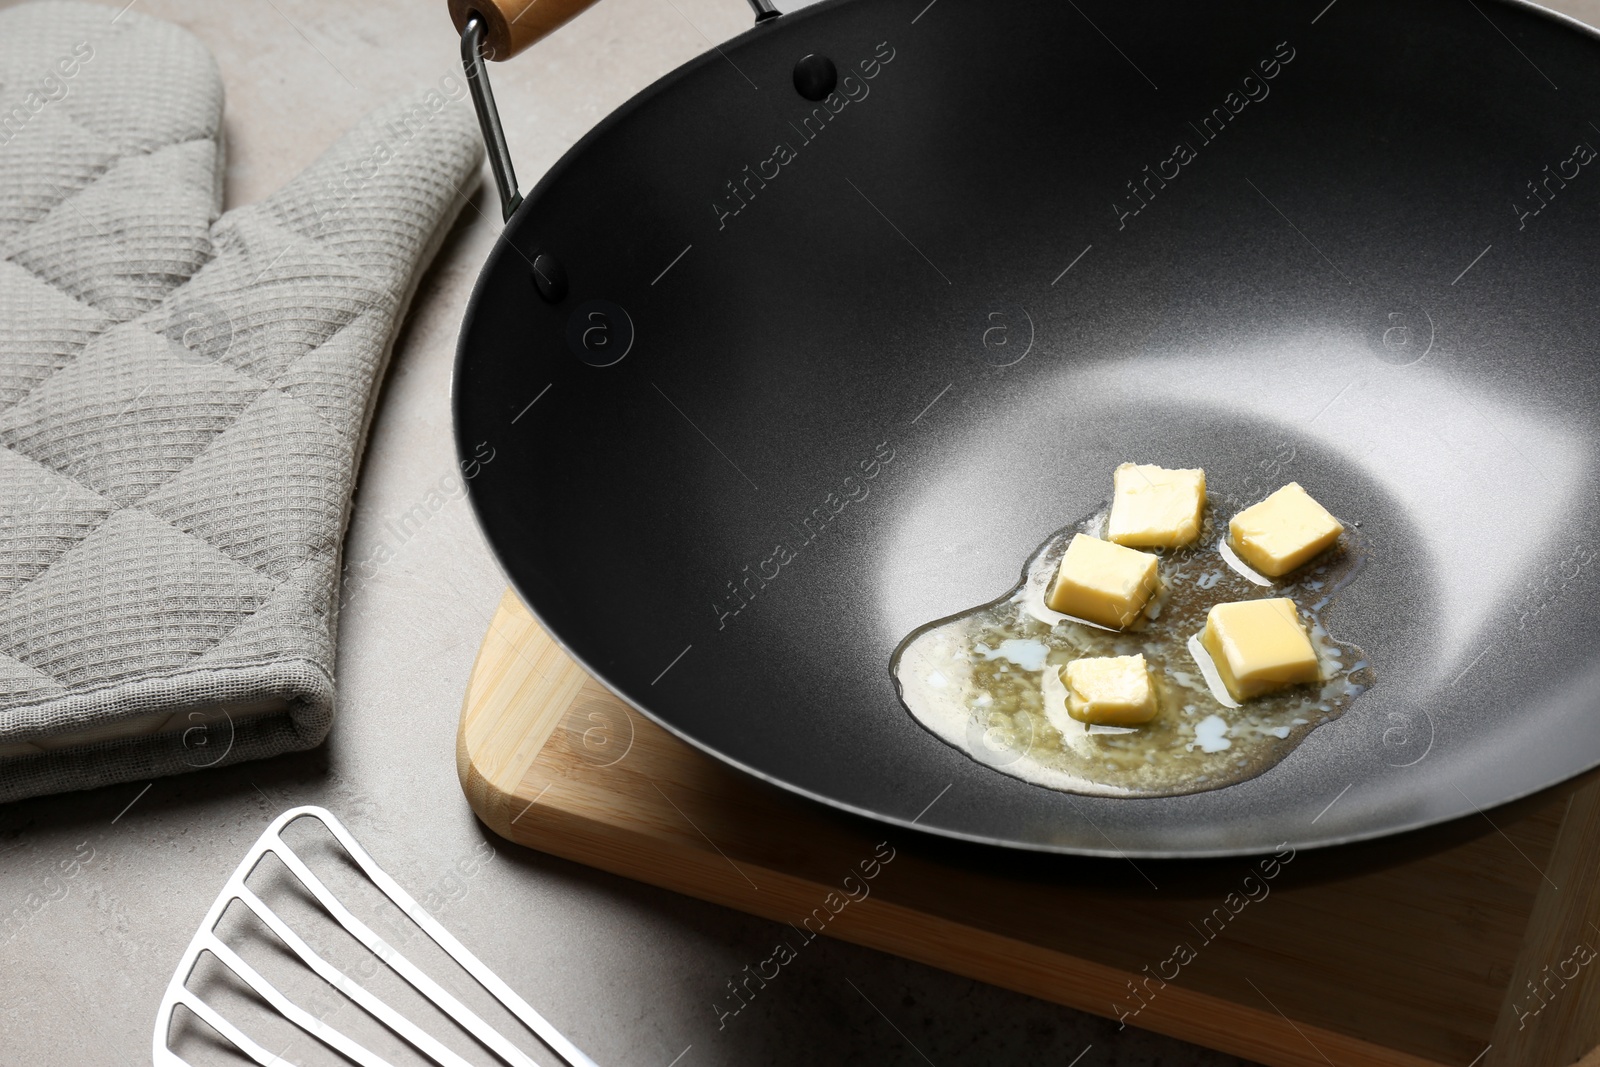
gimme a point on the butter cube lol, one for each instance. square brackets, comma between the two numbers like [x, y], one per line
[1103, 582]
[1283, 531]
[1153, 507]
[1259, 646]
[1110, 691]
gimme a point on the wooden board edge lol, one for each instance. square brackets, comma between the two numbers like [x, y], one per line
[1555, 984]
[521, 685]
[1217, 1023]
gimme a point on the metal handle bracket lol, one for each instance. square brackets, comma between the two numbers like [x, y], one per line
[494, 135]
[473, 35]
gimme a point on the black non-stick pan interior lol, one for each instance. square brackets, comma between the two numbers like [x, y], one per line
[1350, 245]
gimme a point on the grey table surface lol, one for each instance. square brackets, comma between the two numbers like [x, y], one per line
[629, 972]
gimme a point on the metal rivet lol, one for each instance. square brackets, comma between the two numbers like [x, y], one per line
[815, 76]
[550, 277]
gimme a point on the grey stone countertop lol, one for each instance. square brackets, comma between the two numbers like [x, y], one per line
[629, 972]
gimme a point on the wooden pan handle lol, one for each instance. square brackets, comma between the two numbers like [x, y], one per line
[512, 25]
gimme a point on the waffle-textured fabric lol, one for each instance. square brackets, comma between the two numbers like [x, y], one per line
[183, 398]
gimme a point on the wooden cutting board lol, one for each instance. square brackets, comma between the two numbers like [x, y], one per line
[1467, 945]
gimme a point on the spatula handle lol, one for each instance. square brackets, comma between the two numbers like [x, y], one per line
[513, 25]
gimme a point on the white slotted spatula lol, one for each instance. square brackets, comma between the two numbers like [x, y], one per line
[206, 941]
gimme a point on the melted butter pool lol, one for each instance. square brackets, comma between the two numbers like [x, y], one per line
[987, 680]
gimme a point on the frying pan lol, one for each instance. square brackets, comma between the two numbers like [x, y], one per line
[1348, 244]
